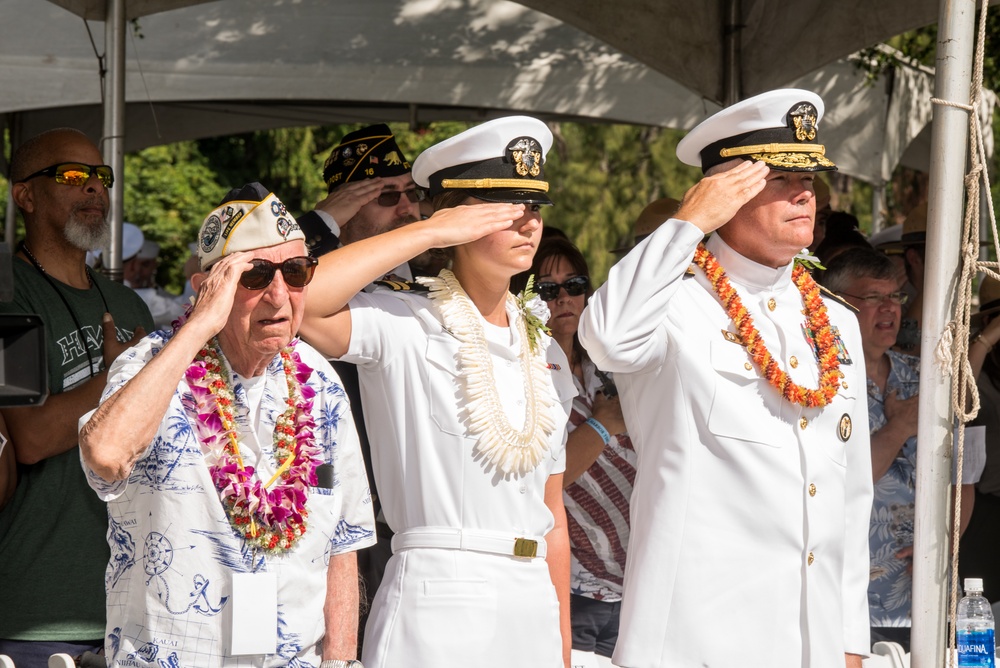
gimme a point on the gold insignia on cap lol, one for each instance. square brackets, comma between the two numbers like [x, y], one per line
[793, 160]
[392, 158]
[845, 428]
[527, 156]
[804, 121]
[737, 151]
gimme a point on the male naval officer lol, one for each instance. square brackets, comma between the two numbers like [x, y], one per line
[744, 391]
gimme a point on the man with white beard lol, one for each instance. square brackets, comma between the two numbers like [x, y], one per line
[53, 548]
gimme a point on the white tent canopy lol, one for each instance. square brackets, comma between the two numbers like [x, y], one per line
[491, 57]
[760, 44]
[238, 65]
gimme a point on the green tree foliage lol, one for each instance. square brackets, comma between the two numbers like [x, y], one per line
[602, 176]
[168, 191]
[283, 160]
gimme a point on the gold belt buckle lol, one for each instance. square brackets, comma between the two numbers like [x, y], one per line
[525, 547]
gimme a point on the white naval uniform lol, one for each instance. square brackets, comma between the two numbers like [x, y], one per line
[749, 513]
[449, 607]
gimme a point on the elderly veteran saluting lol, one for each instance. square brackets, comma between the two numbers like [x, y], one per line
[744, 391]
[231, 468]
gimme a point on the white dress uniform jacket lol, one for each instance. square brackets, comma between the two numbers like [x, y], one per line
[750, 513]
[451, 607]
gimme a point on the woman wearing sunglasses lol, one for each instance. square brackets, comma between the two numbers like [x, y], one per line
[600, 460]
[466, 404]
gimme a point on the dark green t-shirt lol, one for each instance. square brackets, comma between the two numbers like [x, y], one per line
[53, 533]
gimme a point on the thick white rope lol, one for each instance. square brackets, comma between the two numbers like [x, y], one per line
[952, 352]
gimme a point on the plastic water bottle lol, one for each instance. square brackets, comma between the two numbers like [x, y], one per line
[975, 627]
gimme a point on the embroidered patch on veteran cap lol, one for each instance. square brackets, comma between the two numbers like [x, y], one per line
[498, 161]
[780, 127]
[243, 222]
[368, 153]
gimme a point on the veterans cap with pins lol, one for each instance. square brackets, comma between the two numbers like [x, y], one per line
[498, 161]
[780, 127]
[247, 218]
[367, 153]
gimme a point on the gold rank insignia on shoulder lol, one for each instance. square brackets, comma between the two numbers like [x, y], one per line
[732, 337]
[396, 284]
[845, 427]
[837, 298]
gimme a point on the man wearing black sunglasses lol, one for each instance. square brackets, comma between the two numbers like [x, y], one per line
[370, 192]
[53, 554]
[227, 445]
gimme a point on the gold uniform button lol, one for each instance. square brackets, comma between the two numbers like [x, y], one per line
[771, 304]
[794, 361]
[812, 489]
[803, 423]
[748, 366]
[810, 559]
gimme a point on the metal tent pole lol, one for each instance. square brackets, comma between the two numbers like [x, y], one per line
[731, 58]
[949, 144]
[114, 129]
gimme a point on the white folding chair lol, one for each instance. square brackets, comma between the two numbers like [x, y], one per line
[61, 661]
[887, 655]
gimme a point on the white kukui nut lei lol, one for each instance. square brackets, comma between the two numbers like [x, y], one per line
[510, 450]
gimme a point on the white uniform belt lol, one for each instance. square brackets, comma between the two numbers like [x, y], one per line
[494, 542]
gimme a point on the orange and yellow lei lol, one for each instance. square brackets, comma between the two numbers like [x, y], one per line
[767, 366]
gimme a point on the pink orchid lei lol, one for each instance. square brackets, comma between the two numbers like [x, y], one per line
[270, 519]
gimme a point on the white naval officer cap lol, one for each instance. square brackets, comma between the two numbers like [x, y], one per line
[780, 127]
[498, 161]
[150, 250]
[248, 218]
[132, 241]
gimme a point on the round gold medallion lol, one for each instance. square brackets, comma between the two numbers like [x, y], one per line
[845, 427]
[771, 304]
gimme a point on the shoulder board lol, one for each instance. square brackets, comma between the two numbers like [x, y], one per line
[402, 286]
[837, 298]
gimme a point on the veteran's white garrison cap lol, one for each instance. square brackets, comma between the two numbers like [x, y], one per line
[780, 127]
[498, 161]
[248, 218]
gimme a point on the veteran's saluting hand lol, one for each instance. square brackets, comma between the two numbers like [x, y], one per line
[216, 293]
[713, 201]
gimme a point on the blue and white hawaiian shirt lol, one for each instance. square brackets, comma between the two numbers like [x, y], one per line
[173, 551]
[889, 592]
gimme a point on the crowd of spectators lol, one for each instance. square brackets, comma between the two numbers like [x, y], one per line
[509, 459]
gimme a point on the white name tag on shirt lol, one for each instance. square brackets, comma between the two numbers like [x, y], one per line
[254, 607]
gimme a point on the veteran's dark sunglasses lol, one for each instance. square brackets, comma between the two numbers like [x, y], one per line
[391, 197]
[75, 174]
[297, 271]
[574, 287]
